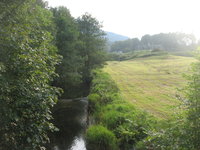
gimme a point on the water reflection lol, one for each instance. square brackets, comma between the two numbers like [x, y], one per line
[70, 116]
[79, 144]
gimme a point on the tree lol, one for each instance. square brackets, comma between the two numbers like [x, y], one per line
[27, 66]
[164, 41]
[68, 47]
[93, 45]
[126, 46]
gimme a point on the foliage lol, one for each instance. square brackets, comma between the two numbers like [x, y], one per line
[32, 36]
[100, 138]
[171, 135]
[165, 41]
[104, 87]
[94, 102]
[28, 61]
[128, 124]
[68, 47]
[192, 102]
[81, 43]
[93, 45]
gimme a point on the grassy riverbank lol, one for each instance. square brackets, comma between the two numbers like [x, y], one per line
[116, 117]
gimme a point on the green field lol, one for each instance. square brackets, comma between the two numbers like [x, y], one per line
[151, 83]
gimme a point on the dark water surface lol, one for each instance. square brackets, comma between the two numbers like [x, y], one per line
[70, 116]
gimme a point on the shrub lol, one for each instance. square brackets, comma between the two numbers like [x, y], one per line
[100, 138]
[93, 102]
[129, 133]
[128, 124]
[108, 98]
[113, 119]
[102, 83]
[114, 115]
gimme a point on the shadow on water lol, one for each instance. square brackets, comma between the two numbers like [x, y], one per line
[70, 116]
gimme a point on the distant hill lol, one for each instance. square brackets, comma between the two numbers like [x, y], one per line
[112, 37]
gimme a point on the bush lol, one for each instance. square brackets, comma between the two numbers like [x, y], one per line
[107, 108]
[113, 119]
[114, 115]
[100, 138]
[93, 103]
[128, 124]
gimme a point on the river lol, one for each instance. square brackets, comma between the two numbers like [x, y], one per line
[70, 116]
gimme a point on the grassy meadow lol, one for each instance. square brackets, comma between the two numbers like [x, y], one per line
[151, 83]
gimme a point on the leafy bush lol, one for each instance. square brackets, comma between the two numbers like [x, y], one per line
[172, 135]
[128, 124]
[115, 115]
[100, 138]
[104, 87]
[119, 116]
[130, 132]
[93, 102]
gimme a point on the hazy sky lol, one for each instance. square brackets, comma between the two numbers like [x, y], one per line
[135, 18]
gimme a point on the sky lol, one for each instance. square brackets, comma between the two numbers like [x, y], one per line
[135, 18]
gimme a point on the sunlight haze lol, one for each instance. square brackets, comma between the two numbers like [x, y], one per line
[134, 18]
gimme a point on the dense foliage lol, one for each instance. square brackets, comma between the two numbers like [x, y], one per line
[93, 46]
[128, 124]
[66, 40]
[192, 102]
[166, 41]
[28, 61]
[100, 138]
[45, 49]
[81, 43]
[42, 50]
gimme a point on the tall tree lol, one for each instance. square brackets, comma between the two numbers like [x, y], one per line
[68, 47]
[27, 66]
[93, 45]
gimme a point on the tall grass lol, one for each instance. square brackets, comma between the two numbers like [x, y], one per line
[120, 117]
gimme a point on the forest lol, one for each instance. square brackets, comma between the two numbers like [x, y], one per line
[136, 94]
[165, 41]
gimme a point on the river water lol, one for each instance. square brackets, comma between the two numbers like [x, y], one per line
[70, 116]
